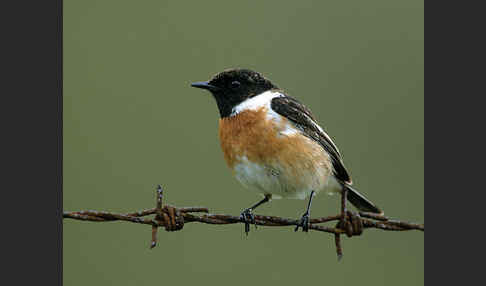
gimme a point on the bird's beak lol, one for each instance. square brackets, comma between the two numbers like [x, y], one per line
[204, 85]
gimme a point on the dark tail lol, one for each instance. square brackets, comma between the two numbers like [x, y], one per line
[360, 202]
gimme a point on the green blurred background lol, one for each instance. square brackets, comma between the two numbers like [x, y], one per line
[131, 121]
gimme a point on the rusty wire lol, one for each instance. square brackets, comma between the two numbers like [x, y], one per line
[173, 219]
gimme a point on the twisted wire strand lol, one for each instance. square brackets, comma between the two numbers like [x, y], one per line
[173, 219]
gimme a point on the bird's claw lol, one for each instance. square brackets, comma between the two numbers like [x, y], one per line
[304, 223]
[248, 218]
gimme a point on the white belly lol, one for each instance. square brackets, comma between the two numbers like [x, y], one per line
[273, 179]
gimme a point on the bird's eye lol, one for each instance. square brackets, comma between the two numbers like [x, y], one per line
[235, 84]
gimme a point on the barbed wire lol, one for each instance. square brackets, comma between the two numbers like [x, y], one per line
[173, 219]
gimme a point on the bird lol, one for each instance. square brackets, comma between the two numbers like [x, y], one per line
[274, 145]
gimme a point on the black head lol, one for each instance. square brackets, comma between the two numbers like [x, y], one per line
[232, 87]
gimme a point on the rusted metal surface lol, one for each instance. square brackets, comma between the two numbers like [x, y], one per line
[173, 219]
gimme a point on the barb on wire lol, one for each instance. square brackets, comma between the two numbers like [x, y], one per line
[173, 219]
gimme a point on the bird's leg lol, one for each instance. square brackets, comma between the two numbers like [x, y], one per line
[247, 215]
[344, 194]
[304, 220]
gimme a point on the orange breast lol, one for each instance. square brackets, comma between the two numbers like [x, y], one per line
[251, 134]
[247, 134]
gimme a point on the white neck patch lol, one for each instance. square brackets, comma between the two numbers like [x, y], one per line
[265, 100]
[262, 100]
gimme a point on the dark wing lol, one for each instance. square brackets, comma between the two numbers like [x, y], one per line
[303, 119]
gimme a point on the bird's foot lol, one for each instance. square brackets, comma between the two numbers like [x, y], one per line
[248, 217]
[304, 222]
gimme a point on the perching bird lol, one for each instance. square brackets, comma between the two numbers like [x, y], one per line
[273, 143]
